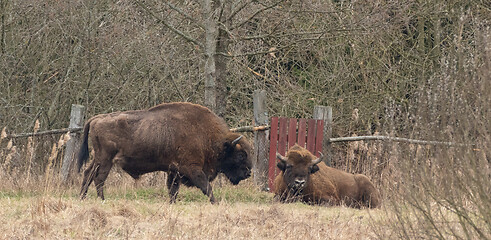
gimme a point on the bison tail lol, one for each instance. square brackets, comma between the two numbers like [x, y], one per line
[83, 153]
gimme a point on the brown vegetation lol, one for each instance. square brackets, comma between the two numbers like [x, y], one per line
[60, 218]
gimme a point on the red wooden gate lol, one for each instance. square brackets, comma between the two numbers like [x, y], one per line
[307, 133]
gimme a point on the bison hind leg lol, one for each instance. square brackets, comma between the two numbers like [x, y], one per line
[100, 177]
[89, 174]
[369, 195]
[372, 198]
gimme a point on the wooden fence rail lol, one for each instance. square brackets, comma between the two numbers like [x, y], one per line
[396, 139]
[359, 138]
[265, 128]
[78, 129]
[47, 132]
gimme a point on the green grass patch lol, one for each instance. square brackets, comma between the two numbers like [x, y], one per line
[150, 194]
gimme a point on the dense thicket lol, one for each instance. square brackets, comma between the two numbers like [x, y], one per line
[381, 57]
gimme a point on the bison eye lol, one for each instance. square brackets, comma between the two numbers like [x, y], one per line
[240, 156]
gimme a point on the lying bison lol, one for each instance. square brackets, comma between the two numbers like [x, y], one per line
[306, 178]
[186, 140]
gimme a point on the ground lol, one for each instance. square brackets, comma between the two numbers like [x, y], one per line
[144, 213]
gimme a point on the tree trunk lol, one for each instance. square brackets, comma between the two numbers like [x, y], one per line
[437, 39]
[210, 51]
[223, 42]
[3, 7]
[221, 61]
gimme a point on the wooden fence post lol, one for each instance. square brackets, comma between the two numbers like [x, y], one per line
[261, 140]
[72, 146]
[325, 113]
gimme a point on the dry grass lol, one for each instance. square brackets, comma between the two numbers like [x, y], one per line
[42, 208]
[145, 213]
[39, 207]
[150, 216]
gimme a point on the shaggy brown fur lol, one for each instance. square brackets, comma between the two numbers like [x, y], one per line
[186, 140]
[304, 178]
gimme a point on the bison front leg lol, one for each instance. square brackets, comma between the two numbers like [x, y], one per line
[173, 183]
[200, 180]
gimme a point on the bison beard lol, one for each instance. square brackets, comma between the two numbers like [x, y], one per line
[186, 140]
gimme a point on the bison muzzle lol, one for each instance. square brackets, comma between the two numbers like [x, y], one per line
[186, 140]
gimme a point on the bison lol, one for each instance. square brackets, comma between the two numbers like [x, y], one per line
[186, 140]
[306, 178]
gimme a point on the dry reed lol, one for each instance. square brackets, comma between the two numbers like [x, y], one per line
[31, 149]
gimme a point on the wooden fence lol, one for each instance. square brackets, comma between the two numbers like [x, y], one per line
[279, 137]
[267, 140]
[71, 147]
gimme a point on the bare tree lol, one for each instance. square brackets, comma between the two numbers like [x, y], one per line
[216, 23]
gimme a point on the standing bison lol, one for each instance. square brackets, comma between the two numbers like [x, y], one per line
[186, 140]
[306, 178]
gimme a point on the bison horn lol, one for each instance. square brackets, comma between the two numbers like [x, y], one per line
[281, 158]
[236, 140]
[316, 161]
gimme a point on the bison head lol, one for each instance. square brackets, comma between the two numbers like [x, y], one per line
[296, 168]
[236, 162]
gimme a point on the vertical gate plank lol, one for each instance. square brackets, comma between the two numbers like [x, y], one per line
[282, 138]
[292, 132]
[302, 130]
[311, 135]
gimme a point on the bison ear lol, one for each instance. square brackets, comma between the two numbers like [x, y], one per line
[281, 165]
[230, 146]
[314, 168]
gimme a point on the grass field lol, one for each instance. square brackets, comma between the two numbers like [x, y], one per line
[419, 201]
[45, 209]
[144, 213]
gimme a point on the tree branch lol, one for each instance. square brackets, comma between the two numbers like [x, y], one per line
[176, 87]
[321, 33]
[169, 26]
[256, 13]
[173, 7]
[237, 11]
[247, 54]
